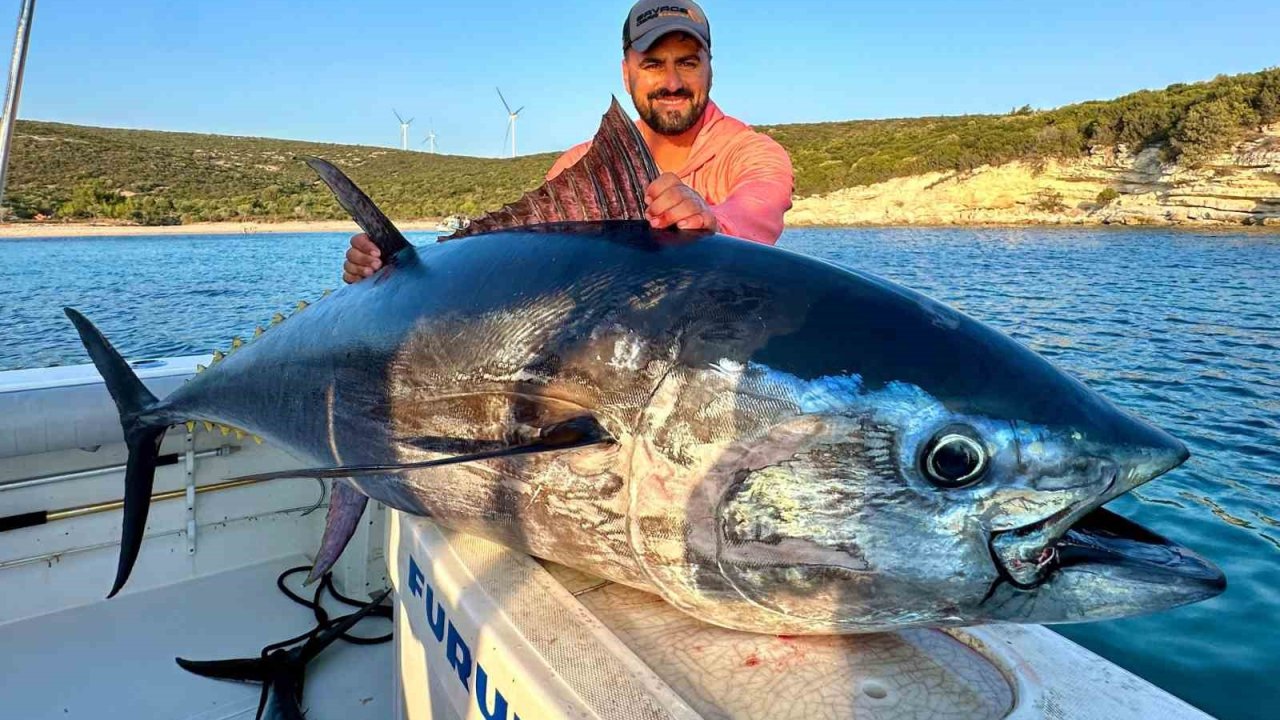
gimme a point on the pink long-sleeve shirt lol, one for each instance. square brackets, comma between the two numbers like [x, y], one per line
[745, 176]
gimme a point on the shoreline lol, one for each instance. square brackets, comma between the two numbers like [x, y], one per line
[76, 230]
[1187, 226]
[18, 231]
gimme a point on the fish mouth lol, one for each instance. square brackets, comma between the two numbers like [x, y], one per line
[1089, 538]
[1103, 538]
[1105, 544]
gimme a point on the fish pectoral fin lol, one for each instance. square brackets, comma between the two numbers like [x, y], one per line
[346, 506]
[373, 221]
[572, 433]
[249, 670]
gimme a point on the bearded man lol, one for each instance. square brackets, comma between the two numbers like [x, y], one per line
[717, 173]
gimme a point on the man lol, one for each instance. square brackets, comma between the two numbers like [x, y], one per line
[717, 173]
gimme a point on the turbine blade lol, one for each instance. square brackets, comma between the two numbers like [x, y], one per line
[504, 101]
[519, 111]
[398, 115]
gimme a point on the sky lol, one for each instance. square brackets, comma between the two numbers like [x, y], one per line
[334, 70]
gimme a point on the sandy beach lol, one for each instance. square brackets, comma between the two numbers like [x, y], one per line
[63, 230]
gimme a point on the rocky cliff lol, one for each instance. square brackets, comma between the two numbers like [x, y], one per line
[1240, 187]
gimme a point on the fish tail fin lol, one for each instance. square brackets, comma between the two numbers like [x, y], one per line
[144, 426]
[282, 671]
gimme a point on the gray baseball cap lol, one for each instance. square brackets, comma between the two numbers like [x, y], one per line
[651, 19]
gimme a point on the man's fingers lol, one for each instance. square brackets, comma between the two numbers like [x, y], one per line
[685, 209]
[672, 203]
[352, 272]
[701, 221]
[661, 184]
[670, 200]
[362, 243]
[363, 259]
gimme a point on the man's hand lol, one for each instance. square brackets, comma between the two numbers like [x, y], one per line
[363, 259]
[671, 202]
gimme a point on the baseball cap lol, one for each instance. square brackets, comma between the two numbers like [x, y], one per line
[651, 19]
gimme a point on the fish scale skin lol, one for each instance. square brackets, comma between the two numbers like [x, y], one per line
[737, 381]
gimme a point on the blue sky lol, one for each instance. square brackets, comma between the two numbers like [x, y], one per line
[332, 70]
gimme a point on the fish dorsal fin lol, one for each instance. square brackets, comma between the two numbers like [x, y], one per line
[608, 183]
[375, 224]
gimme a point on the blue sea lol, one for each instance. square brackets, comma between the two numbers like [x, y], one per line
[1182, 327]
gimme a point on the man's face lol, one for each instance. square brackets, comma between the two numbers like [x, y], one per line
[669, 83]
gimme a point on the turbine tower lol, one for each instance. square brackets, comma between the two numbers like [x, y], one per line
[404, 130]
[511, 122]
[431, 139]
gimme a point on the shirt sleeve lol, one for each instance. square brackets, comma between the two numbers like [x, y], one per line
[566, 161]
[760, 191]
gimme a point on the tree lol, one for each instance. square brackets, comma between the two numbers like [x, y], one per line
[1049, 201]
[92, 199]
[1208, 129]
[1267, 102]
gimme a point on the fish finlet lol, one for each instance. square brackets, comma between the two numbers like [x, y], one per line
[219, 356]
[239, 434]
[257, 439]
[236, 344]
[277, 319]
[208, 426]
[224, 430]
[257, 332]
[200, 368]
[302, 305]
[191, 426]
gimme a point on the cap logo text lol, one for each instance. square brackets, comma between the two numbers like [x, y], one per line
[664, 10]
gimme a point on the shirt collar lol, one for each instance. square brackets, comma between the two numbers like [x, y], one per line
[704, 146]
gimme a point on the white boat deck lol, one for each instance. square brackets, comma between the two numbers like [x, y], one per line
[116, 659]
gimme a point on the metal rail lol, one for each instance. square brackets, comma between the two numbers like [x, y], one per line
[163, 460]
[17, 66]
[58, 554]
[40, 517]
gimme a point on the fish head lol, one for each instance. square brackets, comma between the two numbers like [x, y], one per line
[958, 479]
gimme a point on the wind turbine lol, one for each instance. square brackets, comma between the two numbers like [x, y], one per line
[404, 130]
[431, 138]
[511, 122]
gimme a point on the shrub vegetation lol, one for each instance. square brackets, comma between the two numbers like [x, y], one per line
[149, 177]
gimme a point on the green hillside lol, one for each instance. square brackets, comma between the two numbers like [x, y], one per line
[73, 172]
[1191, 121]
[70, 172]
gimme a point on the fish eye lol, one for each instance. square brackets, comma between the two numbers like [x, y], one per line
[954, 459]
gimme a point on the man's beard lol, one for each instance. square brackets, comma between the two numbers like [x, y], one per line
[671, 122]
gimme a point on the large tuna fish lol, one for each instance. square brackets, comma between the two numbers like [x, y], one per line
[769, 442]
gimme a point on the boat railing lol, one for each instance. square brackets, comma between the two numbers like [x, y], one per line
[62, 460]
